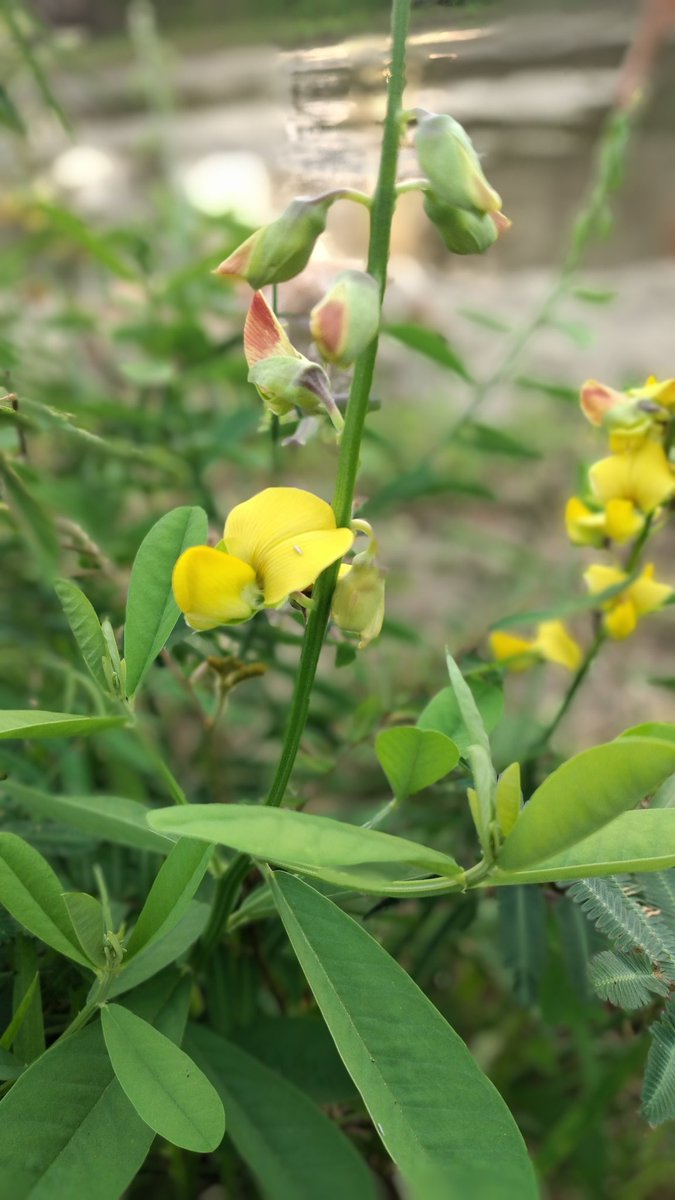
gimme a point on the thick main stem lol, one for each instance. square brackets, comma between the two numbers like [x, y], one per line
[378, 257]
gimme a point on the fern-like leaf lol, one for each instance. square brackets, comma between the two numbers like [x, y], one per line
[625, 980]
[658, 889]
[625, 921]
[658, 1092]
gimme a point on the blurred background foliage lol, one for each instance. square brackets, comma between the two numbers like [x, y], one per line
[138, 148]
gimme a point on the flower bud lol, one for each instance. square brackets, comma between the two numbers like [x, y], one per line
[279, 251]
[451, 165]
[464, 232]
[347, 318]
[287, 382]
[358, 601]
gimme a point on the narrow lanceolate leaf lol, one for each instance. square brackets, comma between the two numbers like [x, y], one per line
[33, 723]
[433, 1108]
[635, 841]
[522, 926]
[431, 344]
[20, 1014]
[170, 895]
[444, 714]
[32, 893]
[62, 1117]
[468, 707]
[110, 818]
[413, 759]
[167, 1089]
[625, 980]
[85, 627]
[86, 915]
[658, 1092]
[317, 846]
[584, 794]
[164, 950]
[285, 1140]
[152, 611]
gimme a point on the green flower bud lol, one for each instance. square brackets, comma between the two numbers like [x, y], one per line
[464, 232]
[288, 383]
[451, 165]
[358, 600]
[348, 317]
[279, 251]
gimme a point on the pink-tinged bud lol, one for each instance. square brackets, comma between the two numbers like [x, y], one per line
[347, 319]
[358, 601]
[597, 399]
[451, 165]
[465, 232]
[279, 251]
[264, 337]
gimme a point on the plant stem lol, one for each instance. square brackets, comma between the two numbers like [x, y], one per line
[378, 257]
[582, 672]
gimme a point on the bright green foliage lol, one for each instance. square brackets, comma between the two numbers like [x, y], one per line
[86, 628]
[35, 724]
[31, 892]
[166, 1088]
[318, 846]
[86, 915]
[413, 759]
[152, 611]
[443, 711]
[111, 818]
[171, 893]
[413, 1098]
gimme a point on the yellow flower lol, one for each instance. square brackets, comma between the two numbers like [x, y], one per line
[619, 520]
[623, 610]
[276, 543]
[552, 643]
[658, 391]
[642, 475]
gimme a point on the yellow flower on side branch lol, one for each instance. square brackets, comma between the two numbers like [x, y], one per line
[276, 543]
[619, 520]
[622, 611]
[552, 643]
[642, 475]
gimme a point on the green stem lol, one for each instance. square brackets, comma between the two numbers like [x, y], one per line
[582, 672]
[357, 407]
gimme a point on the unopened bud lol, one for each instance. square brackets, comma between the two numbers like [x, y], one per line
[464, 232]
[358, 601]
[347, 318]
[281, 250]
[451, 165]
[286, 383]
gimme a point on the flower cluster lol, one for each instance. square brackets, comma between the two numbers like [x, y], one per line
[628, 492]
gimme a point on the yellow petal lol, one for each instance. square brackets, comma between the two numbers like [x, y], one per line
[621, 620]
[213, 588]
[599, 578]
[660, 391]
[642, 475]
[275, 515]
[517, 653]
[622, 520]
[646, 595]
[556, 645]
[584, 527]
[297, 562]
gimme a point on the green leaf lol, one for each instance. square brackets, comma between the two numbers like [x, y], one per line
[66, 1127]
[652, 729]
[29, 1041]
[171, 893]
[522, 928]
[413, 759]
[621, 916]
[584, 794]
[34, 723]
[419, 484]
[109, 818]
[98, 245]
[488, 440]
[634, 841]
[166, 1088]
[85, 627]
[10, 1066]
[627, 981]
[20, 1014]
[159, 954]
[433, 1108]
[508, 798]
[443, 711]
[471, 715]
[152, 611]
[431, 344]
[364, 859]
[288, 1144]
[31, 518]
[302, 1051]
[32, 893]
[86, 915]
[658, 1091]
[557, 391]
